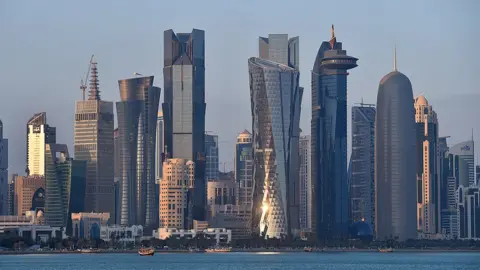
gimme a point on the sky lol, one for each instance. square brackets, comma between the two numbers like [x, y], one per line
[45, 48]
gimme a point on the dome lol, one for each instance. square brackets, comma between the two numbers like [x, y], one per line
[245, 133]
[421, 100]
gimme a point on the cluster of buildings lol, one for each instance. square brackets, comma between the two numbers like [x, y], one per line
[157, 174]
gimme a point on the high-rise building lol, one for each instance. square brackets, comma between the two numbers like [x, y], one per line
[362, 182]
[177, 180]
[11, 194]
[65, 181]
[211, 156]
[395, 159]
[477, 173]
[93, 142]
[220, 192]
[329, 140]
[116, 176]
[276, 100]
[184, 107]
[443, 168]
[3, 172]
[39, 133]
[29, 194]
[428, 181]
[280, 49]
[244, 169]
[305, 187]
[159, 147]
[137, 114]
[466, 151]
[468, 212]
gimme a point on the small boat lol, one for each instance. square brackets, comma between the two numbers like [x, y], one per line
[384, 250]
[307, 249]
[146, 252]
[88, 250]
[218, 249]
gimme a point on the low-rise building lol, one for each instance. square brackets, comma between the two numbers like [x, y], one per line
[118, 233]
[87, 225]
[236, 218]
[221, 235]
[29, 226]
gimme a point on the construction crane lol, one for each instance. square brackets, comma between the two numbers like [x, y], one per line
[83, 83]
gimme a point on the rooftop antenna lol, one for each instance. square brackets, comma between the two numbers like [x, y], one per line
[395, 58]
[137, 74]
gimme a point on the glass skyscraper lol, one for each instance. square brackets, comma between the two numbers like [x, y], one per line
[276, 99]
[137, 122]
[184, 107]
[3, 172]
[466, 151]
[211, 156]
[329, 140]
[244, 168]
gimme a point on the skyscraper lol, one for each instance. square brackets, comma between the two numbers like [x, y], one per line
[395, 159]
[65, 180]
[329, 140]
[11, 194]
[276, 100]
[468, 212]
[137, 122]
[466, 151]
[244, 168]
[305, 184]
[39, 133]
[211, 156]
[159, 147]
[93, 142]
[443, 175]
[280, 49]
[362, 182]
[477, 173]
[184, 107]
[3, 172]
[428, 181]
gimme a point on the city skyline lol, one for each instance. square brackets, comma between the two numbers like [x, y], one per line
[227, 94]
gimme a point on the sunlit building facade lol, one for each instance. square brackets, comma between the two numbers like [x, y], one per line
[244, 169]
[39, 133]
[305, 183]
[3, 172]
[211, 157]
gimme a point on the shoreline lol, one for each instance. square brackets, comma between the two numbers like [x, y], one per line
[329, 251]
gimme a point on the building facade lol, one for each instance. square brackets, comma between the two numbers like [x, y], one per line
[276, 100]
[39, 133]
[159, 147]
[362, 168]
[395, 159]
[87, 225]
[280, 49]
[3, 172]
[466, 151]
[29, 194]
[468, 212]
[329, 140]
[65, 180]
[137, 118]
[243, 169]
[211, 157]
[179, 176]
[11, 194]
[428, 171]
[305, 184]
[220, 192]
[184, 106]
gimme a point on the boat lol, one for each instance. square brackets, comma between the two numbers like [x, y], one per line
[146, 252]
[88, 250]
[307, 249]
[385, 250]
[218, 249]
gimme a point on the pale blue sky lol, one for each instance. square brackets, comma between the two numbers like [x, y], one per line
[45, 47]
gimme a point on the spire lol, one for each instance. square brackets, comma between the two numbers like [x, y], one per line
[333, 32]
[395, 58]
[333, 40]
[94, 93]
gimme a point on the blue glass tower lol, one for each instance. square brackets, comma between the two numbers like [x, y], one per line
[329, 140]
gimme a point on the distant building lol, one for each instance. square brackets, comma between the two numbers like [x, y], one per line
[121, 234]
[64, 186]
[39, 133]
[362, 182]
[305, 184]
[11, 194]
[280, 49]
[177, 181]
[220, 235]
[159, 147]
[3, 172]
[443, 175]
[29, 194]
[220, 192]
[29, 226]
[395, 159]
[211, 156]
[428, 171]
[244, 168]
[468, 212]
[87, 225]
[236, 218]
[478, 175]
[116, 177]
[466, 151]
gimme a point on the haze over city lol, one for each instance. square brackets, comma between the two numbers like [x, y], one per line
[46, 46]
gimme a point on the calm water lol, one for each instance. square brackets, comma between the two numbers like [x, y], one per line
[284, 261]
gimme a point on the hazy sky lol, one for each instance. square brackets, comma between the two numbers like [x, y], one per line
[45, 47]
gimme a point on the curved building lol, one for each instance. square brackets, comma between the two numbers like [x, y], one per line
[276, 99]
[330, 213]
[395, 159]
[466, 151]
[137, 117]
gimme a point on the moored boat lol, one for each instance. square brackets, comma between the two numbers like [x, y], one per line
[307, 249]
[385, 250]
[146, 252]
[89, 250]
[218, 249]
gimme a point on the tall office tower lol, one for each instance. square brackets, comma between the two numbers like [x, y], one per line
[211, 156]
[184, 107]
[443, 168]
[137, 118]
[65, 182]
[244, 169]
[477, 173]
[39, 133]
[29, 194]
[276, 100]
[178, 179]
[305, 184]
[159, 148]
[466, 151]
[395, 159]
[468, 212]
[11, 194]
[329, 140]
[3, 172]
[428, 181]
[362, 182]
[278, 48]
[116, 176]
[93, 142]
